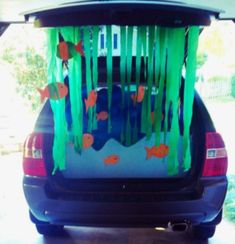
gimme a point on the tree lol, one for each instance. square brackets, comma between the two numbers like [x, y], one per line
[28, 64]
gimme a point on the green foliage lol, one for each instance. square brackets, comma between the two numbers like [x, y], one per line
[229, 204]
[201, 59]
[30, 72]
[233, 85]
[217, 79]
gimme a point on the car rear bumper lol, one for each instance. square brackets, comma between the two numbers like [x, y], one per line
[124, 214]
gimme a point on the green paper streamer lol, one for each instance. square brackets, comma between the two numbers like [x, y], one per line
[160, 71]
[109, 72]
[55, 73]
[138, 57]
[123, 72]
[143, 33]
[189, 91]
[95, 37]
[129, 72]
[151, 37]
[137, 75]
[176, 38]
[87, 46]
[75, 87]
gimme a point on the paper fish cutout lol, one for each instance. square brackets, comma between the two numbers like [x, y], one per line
[91, 100]
[153, 115]
[102, 115]
[159, 152]
[87, 140]
[67, 50]
[138, 97]
[79, 48]
[112, 159]
[54, 91]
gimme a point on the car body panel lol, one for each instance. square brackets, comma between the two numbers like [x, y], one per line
[113, 209]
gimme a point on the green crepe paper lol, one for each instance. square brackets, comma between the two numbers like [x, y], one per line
[95, 37]
[189, 91]
[55, 73]
[176, 38]
[151, 37]
[123, 71]
[161, 39]
[75, 87]
[109, 72]
[137, 75]
[143, 33]
[87, 47]
[129, 71]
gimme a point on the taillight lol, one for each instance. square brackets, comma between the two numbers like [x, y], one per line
[33, 162]
[216, 162]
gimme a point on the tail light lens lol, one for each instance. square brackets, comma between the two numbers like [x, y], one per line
[33, 162]
[216, 162]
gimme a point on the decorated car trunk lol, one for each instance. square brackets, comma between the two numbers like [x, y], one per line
[122, 101]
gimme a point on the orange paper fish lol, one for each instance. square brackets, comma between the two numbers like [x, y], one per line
[159, 152]
[87, 140]
[91, 100]
[53, 91]
[102, 115]
[112, 159]
[79, 48]
[138, 97]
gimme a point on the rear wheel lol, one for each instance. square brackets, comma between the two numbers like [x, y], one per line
[49, 229]
[45, 228]
[203, 232]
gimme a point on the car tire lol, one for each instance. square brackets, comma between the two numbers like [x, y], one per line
[203, 232]
[45, 228]
[50, 230]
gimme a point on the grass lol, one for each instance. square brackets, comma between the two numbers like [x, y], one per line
[229, 204]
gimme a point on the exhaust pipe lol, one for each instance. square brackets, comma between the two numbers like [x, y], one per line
[178, 226]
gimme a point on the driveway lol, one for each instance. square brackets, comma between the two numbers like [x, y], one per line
[15, 226]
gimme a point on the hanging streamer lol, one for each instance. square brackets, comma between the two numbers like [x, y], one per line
[160, 72]
[95, 37]
[129, 72]
[73, 35]
[87, 47]
[176, 45]
[143, 34]
[109, 72]
[189, 91]
[55, 73]
[151, 37]
[137, 77]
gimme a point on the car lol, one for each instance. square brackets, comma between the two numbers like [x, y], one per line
[133, 185]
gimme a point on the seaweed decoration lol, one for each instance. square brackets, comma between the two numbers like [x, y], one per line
[175, 58]
[189, 91]
[151, 37]
[55, 72]
[129, 72]
[87, 48]
[149, 108]
[160, 75]
[123, 50]
[143, 33]
[73, 34]
[95, 37]
[109, 72]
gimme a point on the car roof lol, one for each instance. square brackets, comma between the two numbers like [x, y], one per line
[15, 10]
